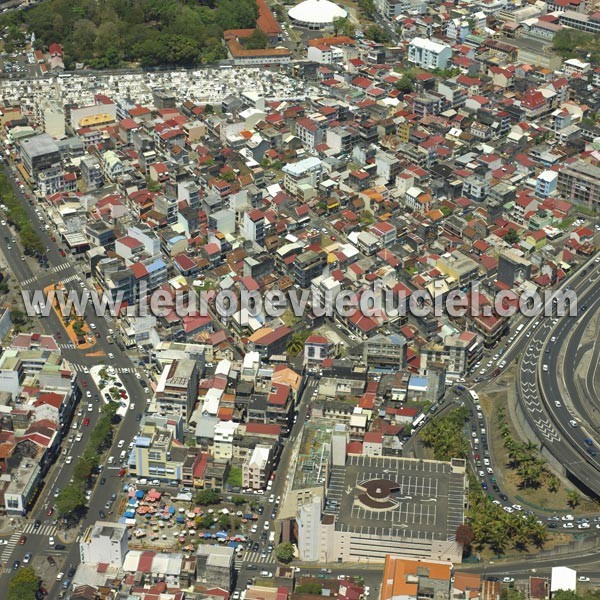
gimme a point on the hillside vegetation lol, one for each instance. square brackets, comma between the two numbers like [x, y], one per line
[109, 33]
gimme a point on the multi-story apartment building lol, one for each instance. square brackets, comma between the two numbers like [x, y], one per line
[177, 388]
[458, 353]
[307, 266]
[257, 468]
[253, 226]
[428, 54]
[308, 170]
[579, 182]
[39, 153]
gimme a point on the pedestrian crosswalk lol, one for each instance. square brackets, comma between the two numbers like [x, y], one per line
[69, 279]
[61, 267]
[254, 558]
[46, 530]
[67, 346]
[8, 548]
[28, 280]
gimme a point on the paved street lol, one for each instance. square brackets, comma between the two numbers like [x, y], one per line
[32, 277]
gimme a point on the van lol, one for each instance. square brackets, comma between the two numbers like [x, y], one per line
[111, 460]
[123, 455]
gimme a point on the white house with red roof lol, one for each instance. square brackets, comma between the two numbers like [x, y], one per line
[316, 349]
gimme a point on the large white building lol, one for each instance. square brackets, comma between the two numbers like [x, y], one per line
[105, 543]
[316, 14]
[428, 54]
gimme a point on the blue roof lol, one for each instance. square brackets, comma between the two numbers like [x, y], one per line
[157, 265]
[421, 381]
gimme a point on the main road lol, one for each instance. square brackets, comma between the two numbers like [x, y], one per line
[30, 277]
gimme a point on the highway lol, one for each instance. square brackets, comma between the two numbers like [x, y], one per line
[542, 398]
[31, 276]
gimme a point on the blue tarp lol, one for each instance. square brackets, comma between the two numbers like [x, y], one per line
[132, 501]
[207, 536]
[180, 519]
[130, 514]
[139, 494]
[221, 534]
[172, 509]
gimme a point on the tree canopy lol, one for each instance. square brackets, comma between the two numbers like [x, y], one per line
[23, 585]
[150, 32]
[284, 552]
[208, 497]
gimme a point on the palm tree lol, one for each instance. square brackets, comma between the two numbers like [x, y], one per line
[573, 498]
[553, 484]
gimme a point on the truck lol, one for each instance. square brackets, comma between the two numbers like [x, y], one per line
[272, 537]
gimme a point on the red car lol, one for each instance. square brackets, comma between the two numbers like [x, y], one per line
[123, 394]
[84, 383]
[86, 422]
[50, 511]
[22, 540]
[61, 252]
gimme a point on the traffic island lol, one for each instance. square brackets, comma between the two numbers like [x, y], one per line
[77, 329]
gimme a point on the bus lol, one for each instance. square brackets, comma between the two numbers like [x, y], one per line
[418, 422]
[474, 396]
[520, 328]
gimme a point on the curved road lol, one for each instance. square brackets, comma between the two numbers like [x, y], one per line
[542, 396]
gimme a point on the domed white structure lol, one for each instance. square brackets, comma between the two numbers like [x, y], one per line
[316, 14]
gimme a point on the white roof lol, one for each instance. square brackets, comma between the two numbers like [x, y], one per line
[563, 578]
[316, 11]
[428, 45]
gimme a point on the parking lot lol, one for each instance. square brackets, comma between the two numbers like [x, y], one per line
[386, 495]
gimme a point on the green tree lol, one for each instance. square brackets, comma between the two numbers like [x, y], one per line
[70, 500]
[18, 317]
[257, 41]
[23, 585]
[377, 34]
[573, 498]
[511, 237]
[82, 470]
[208, 497]
[284, 552]
[238, 500]
[225, 522]
[296, 343]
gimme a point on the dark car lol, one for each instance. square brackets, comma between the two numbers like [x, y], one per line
[51, 561]
[261, 510]
[484, 485]
[138, 417]
[251, 568]
[36, 524]
[102, 480]
[16, 565]
[71, 572]
[102, 514]
[255, 546]
[504, 497]
[60, 547]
